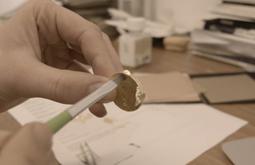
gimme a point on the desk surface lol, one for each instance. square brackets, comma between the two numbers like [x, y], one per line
[165, 61]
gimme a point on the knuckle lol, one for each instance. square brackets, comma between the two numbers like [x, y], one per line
[57, 88]
[63, 88]
[91, 32]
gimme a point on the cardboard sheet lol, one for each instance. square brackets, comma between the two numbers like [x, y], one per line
[227, 89]
[168, 87]
[241, 152]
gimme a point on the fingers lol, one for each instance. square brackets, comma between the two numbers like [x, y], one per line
[30, 145]
[98, 110]
[33, 137]
[63, 86]
[75, 30]
[71, 86]
[113, 54]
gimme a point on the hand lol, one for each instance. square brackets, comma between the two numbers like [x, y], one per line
[31, 145]
[37, 48]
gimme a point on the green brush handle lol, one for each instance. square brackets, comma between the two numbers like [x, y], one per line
[56, 123]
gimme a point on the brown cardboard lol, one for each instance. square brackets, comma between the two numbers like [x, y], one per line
[168, 87]
[241, 152]
[226, 89]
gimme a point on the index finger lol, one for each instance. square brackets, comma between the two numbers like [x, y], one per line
[75, 30]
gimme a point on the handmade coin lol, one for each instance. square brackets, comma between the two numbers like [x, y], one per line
[130, 94]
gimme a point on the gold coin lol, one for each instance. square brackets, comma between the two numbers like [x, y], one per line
[130, 94]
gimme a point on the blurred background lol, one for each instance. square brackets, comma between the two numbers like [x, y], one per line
[207, 28]
[183, 51]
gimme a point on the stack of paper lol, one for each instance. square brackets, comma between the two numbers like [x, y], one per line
[224, 47]
[155, 134]
[229, 37]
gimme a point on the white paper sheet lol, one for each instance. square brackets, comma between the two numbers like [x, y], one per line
[156, 134]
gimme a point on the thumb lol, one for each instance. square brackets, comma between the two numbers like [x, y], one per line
[30, 145]
[63, 86]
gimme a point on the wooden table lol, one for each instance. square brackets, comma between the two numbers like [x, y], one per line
[165, 61]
